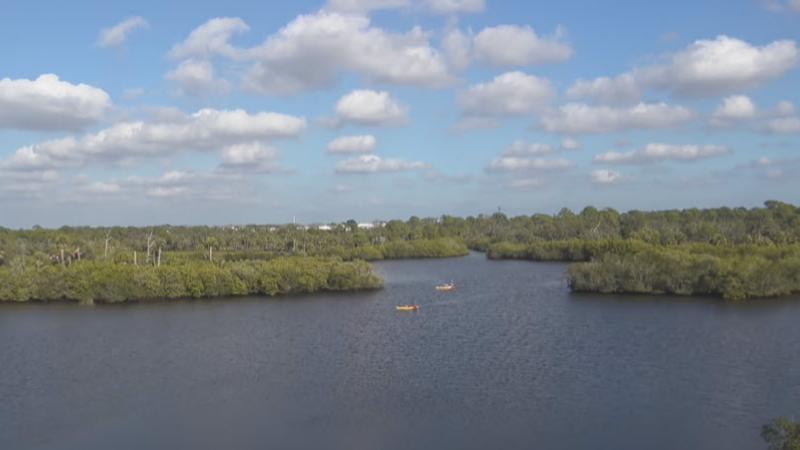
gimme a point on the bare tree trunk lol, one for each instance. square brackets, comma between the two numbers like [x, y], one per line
[134, 258]
[149, 244]
[158, 264]
[78, 253]
[63, 262]
[105, 250]
[210, 253]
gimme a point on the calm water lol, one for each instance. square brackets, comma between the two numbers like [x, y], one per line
[509, 360]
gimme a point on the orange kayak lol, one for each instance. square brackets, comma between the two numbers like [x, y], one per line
[407, 307]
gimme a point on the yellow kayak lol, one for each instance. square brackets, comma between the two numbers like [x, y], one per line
[407, 307]
[446, 287]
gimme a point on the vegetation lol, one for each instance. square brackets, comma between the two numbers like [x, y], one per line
[91, 281]
[782, 434]
[735, 253]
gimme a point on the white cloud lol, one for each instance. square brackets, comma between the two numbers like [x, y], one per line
[365, 6]
[132, 93]
[207, 129]
[707, 67]
[509, 94]
[211, 39]
[365, 164]
[522, 148]
[367, 107]
[622, 89]
[332, 43]
[781, 5]
[514, 164]
[734, 108]
[784, 125]
[663, 152]
[433, 6]
[118, 34]
[457, 49]
[48, 103]
[195, 78]
[353, 144]
[579, 118]
[721, 65]
[102, 187]
[785, 108]
[570, 144]
[455, 6]
[252, 156]
[511, 45]
[526, 184]
[605, 176]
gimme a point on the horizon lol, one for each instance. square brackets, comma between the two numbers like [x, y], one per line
[243, 113]
[379, 220]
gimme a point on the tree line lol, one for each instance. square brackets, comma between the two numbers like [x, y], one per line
[728, 252]
[95, 281]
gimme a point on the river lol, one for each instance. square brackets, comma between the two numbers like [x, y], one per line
[510, 359]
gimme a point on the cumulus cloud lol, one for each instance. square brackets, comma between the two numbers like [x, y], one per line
[570, 144]
[207, 129]
[512, 45]
[605, 176]
[656, 152]
[433, 6]
[332, 43]
[707, 67]
[785, 108]
[515, 164]
[369, 108]
[101, 188]
[734, 108]
[784, 125]
[782, 5]
[49, 104]
[353, 144]
[455, 6]
[366, 164]
[196, 78]
[225, 185]
[457, 49]
[212, 39]
[522, 148]
[251, 156]
[509, 94]
[526, 184]
[365, 6]
[118, 34]
[721, 65]
[622, 89]
[577, 118]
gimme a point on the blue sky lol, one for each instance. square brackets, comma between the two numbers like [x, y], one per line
[257, 112]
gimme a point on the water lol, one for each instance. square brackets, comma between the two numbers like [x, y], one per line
[509, 360]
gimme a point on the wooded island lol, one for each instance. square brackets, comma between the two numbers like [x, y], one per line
[734, 253]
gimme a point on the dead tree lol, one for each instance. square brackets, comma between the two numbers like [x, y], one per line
[105, 250]
[149, 245]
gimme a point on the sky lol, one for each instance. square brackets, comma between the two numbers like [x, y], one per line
[208, 112]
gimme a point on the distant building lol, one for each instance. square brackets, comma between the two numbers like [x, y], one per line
[324, 227]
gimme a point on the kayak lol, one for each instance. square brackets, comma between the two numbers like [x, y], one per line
[446, 287]
[407, 307]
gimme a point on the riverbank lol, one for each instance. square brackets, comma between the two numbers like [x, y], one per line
[91, 282]
[732, 272]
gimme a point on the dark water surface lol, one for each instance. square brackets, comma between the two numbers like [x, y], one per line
[509, 360]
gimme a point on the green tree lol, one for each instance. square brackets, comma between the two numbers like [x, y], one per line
[782, 434]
